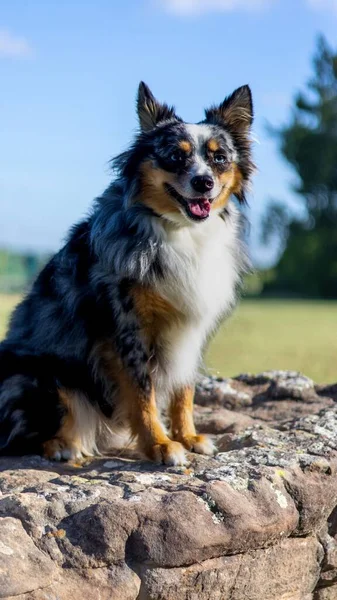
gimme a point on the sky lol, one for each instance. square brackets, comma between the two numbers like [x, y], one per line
[69, 72]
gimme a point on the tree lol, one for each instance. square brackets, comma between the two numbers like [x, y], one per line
[308, 265]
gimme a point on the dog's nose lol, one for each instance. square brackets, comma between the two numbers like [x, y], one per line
[202, 183]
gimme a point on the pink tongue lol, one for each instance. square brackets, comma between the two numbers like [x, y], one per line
[200, 208]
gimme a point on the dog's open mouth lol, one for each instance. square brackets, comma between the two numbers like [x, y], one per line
[197, 209]
[200, 208]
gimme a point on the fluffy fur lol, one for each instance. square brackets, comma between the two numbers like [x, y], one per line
[115, 325]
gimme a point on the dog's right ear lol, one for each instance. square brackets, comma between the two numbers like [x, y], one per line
[150, 111]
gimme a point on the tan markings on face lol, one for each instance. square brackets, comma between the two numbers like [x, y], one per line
[153, 193]
[230, 181]
[213, 145]
[185, 146]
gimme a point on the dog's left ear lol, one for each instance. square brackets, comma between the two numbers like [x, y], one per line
[236, 111]
[150, 111]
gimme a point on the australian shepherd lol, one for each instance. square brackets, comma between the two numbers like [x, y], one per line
[113, 330]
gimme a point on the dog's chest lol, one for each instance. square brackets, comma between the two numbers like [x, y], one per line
[200, 272]
[199, 281]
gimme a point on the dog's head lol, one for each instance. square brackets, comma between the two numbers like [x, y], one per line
[184, 172]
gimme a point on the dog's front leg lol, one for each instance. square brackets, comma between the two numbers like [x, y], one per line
[146, 425]
[182, 424]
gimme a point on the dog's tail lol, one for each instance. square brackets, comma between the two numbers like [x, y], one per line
[28, 414]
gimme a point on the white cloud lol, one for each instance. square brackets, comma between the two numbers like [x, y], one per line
[13, 46]
[324, 4]
[197, 7]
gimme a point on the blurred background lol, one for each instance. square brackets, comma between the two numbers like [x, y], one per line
[69, 72]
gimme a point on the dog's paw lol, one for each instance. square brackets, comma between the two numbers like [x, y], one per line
[201, 444]
[170, 453]
[58, 450]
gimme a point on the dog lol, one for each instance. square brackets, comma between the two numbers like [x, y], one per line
[113, 330]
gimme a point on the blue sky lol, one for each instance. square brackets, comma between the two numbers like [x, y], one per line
[69, 73]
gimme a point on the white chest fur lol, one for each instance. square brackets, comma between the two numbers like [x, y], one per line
[200, 279]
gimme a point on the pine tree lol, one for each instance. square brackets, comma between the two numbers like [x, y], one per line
[308, 265]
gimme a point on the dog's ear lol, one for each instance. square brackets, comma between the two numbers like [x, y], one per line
[236, 111]
[150, 111]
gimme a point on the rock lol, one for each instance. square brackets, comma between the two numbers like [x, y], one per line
[328, 593]
[113, 583]
[217, 420]
[288, 570]
[256, 522]
[256, 395]
[23, 567]
[215, 390]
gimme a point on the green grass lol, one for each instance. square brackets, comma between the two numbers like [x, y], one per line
[7, 304]
[262, 334]
[278, 334]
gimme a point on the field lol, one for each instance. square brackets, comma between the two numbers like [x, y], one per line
[6, 306]
[261, 335]
[278, 334]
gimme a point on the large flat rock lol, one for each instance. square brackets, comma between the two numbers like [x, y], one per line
[256, 522]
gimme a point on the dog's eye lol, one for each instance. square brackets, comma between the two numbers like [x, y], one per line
[219, 159]
[176, 156]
